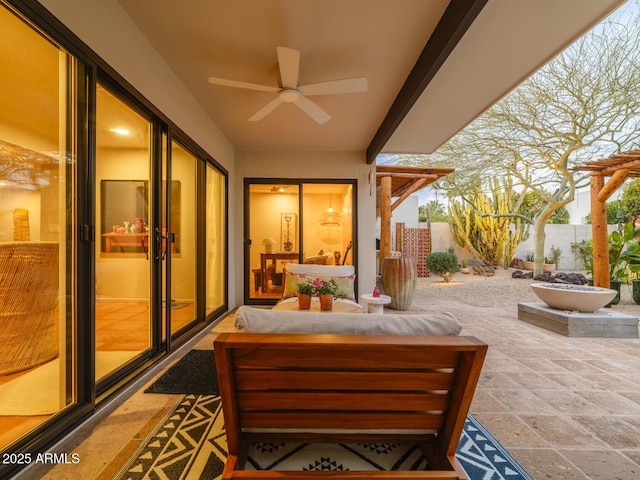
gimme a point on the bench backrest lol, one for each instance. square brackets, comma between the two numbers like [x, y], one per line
[333, 383]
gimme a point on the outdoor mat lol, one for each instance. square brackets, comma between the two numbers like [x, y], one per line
[190, 443]
[194, 373]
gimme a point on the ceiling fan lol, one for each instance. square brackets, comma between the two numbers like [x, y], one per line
[290, 92]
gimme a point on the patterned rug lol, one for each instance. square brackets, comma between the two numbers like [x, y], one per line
[190, 443]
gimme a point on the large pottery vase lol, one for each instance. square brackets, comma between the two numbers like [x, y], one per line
[399, 278]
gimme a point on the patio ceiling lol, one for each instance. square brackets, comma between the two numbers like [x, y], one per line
[432, 66]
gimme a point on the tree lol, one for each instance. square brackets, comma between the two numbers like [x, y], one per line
[433, 211]
[630, 201]
[615, 214]
[532, 204]
[582, 106]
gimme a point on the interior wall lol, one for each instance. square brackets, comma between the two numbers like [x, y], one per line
[311, 165]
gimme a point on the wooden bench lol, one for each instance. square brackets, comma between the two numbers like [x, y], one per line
[290, 388]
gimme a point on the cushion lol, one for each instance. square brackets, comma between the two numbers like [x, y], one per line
[258, 320]
[345, 284]
[321, 270]
[317, 260]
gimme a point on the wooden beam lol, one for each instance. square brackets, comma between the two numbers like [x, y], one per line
[616, 180]
[600, 234]
[429, 176]
[455, 21]
[385, 219]
[408, 190]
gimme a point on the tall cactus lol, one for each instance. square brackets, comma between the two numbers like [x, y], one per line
[486, 225]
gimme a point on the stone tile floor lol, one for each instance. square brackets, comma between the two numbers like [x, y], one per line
[565, 408]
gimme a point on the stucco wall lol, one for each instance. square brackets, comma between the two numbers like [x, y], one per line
[558, 235]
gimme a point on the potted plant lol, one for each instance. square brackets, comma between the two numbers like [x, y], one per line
[555, 254]
[548, 265]
[326, 290]
[529, 258]
[305, 292]
[443, 264]
[465, 268]
[632, 255]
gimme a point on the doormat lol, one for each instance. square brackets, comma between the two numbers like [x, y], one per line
[195, 373]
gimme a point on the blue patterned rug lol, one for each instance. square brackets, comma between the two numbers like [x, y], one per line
[190, 443]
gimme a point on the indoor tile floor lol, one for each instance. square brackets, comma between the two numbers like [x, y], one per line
[565, 408]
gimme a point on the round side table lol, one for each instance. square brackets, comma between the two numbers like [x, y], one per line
[375, 304]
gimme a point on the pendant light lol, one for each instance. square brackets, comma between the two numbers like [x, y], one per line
[330, 218]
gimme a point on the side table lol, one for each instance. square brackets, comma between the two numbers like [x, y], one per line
[375, 304]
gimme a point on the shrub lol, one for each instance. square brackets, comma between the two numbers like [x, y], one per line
[443, 264]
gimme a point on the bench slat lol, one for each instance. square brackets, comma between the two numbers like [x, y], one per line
[300, 400]
[332, 380]
[336, 420]
[345, 358]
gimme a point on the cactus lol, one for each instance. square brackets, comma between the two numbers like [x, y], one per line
[486, 225]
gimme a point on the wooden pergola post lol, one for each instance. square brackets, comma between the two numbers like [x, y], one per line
[599, 233]
[385, 219]
[399, 182]
[619, 167]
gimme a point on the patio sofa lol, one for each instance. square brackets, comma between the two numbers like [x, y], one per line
[377, 389]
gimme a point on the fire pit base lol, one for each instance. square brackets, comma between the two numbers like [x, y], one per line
[602, 323]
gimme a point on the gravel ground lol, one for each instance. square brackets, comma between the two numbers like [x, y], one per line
[499, 290]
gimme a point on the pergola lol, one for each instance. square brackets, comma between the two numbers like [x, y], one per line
[618, 168]
[399, 182]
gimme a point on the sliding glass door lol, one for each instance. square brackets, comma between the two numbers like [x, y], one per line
[288, 221]
[124, 252]
[40, 84]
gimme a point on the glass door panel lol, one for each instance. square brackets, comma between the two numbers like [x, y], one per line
[328, 223]
[181, 194]
[215, 240]
[38, 352]
[123, 272]
[273, 235]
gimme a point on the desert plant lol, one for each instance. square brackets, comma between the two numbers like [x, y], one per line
[622, 252]
[486, 226]
[555, 254]
[529, 256]
[443, 264]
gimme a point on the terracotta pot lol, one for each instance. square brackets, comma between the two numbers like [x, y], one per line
[304, 302]
[399, 279]
[548, 267]
[527, 265]
[326, 302]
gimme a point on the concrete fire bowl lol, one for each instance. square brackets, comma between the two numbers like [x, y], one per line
[574, 298]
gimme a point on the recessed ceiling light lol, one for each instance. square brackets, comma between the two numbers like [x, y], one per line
[120, 131]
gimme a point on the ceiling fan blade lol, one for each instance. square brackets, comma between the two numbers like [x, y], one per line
[235, 83]
[348, 85]
[266, 110]
[313, 110]
[289, 66]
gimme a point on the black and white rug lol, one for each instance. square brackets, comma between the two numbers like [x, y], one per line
[190, 443]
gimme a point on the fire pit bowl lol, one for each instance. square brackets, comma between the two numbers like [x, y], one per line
[575, 298]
